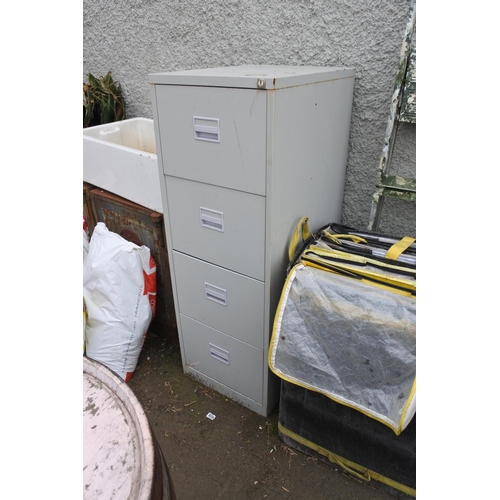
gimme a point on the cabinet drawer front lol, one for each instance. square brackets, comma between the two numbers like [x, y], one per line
[218, 225]
[214, 135]
[235, 364]
[222, 299]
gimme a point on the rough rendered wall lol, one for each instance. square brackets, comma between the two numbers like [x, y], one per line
[133, 38]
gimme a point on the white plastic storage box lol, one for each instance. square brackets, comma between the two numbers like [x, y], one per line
[120, 157]
[243, 154]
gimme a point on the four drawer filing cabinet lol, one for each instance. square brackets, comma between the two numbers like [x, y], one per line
[244, 153]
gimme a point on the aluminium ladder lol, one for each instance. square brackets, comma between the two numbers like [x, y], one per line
[403, 109]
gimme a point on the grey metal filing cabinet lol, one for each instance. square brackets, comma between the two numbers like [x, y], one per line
[244, 153]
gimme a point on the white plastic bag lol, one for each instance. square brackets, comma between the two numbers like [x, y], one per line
[119, 288]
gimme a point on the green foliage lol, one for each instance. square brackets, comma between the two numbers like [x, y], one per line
[103, 101]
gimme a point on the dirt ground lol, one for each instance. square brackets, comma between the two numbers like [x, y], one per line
[238, 455]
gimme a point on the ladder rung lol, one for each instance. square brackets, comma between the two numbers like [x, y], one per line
[397, 183]
[409, 115]
[400, 195]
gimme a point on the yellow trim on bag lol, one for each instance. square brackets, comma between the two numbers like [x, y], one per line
[368, 282]
[407, 283]
[407, 404]
[398, 248]
[337, 237]
[357, 258]
[303, 227]
[351, 467]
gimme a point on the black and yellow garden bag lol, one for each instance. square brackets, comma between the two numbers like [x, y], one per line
[345, 325]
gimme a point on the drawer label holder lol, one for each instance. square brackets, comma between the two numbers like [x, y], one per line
[215, 294]
[212, 219]
[219, 354]
[206, 129]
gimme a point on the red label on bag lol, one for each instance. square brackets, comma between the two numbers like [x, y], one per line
[150, 284]
[152, 263]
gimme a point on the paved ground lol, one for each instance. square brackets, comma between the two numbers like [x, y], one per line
[236, 456]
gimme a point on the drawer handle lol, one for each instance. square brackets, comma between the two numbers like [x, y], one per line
[216, 294]
[219, 354]
[212, 219]
[206, 129]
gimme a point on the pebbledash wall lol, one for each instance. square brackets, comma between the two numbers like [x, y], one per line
[133, 38]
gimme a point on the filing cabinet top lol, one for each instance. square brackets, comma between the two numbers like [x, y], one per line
[265, 77]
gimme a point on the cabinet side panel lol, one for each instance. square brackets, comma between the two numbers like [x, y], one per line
[310, 134]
